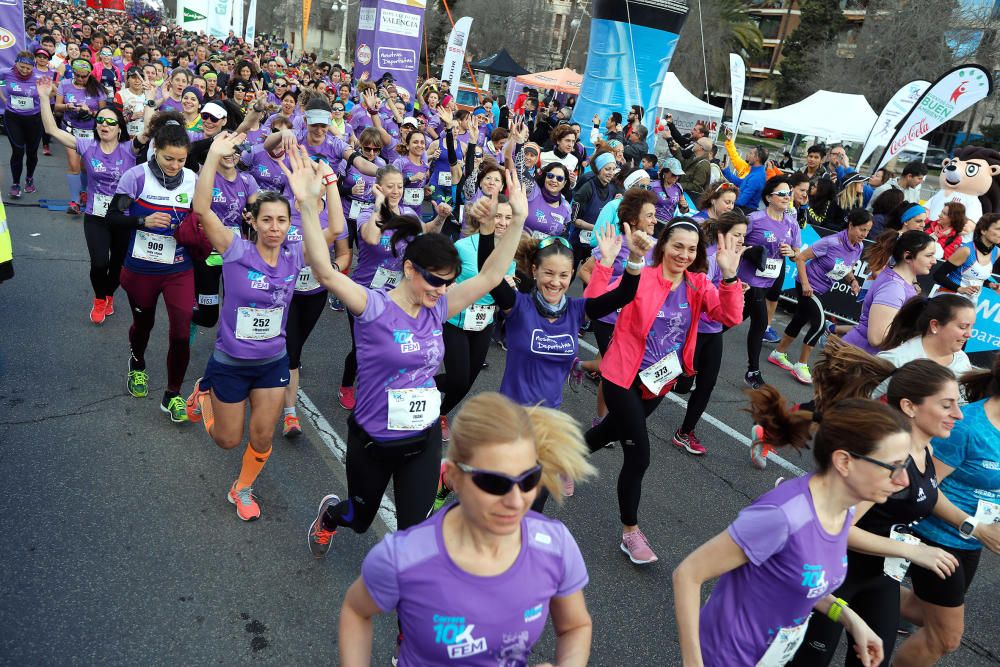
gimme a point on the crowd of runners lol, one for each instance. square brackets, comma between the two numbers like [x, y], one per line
[250, 191]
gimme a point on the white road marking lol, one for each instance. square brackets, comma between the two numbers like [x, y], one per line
[337, 446]
[725, 428]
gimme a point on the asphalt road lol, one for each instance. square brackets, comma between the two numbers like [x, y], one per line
[119, 546]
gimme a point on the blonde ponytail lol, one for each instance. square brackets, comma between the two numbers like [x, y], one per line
[561, 449]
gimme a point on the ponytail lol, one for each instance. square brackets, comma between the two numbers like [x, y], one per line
[770, 410]
[845, 371]
[982, 384]
[915, 316]
[404, 229]
[561, 449]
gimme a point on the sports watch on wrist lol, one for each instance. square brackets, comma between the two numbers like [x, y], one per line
[968, 527]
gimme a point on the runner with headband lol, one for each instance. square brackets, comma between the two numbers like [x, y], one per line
[249, 362]
[488, 562]
[654, 343]
[970, 267]
[19, 96]
[78, 99]
[588, 200]
[151, 200]
[394, 433]
[105, 160]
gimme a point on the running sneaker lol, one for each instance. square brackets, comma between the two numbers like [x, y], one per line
[770, 335]
[445, 429]
[781, 360]
[174, 406]
[335, 304]
[46, 151]
[636, 546]
[317, 538]
[689, 442]
[802, 373]
[137, 382]
[83, 198]
[754, 379]
[15, 191]
[346, 397]
[291, 428]
[441, 497]
[73, 208]
[568, 485]
[109, 306]
[98, 311]
[29, 186]
[759, 448]
[193, 404]
[829, 329]
[246, 507]
[576, 374]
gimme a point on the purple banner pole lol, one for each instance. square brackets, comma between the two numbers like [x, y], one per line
[390, 38]
[11, 31]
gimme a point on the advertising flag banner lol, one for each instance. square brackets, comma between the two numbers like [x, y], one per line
[454, 56]
[219, 18]
[306, 8]
[900, 105]
[389, 40]
[237, 26]
[193, 15]
[954, 92]
[251, 31]
[11, 31]
[737, 83]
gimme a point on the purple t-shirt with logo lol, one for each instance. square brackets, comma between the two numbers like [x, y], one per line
[545, 220]
[352, 179]
[170, 104]
[256, 294]
[103, 170]
[303, 282]
[331, 150]
[21, 94]
[763, 230]
[265, 169]
[705, 323]
[889, 289]
[540, 353]
[395, 351]
[670, 328]
[666, 199]
[793, 564]
[449, 615]
[73, 95]
[834, 254]
[371, 258]
[229, 198]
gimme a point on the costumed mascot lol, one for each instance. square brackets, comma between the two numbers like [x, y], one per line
[972, 178]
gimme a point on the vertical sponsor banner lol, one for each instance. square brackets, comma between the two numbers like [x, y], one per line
[306, 8]
[218, 18]
[631, 45]
[954, 92]
[737, 84]
[454, 56]
[389, 40]
[900, 104]
[251, 31]
[238, 18]
[193, 15]
[11, 31]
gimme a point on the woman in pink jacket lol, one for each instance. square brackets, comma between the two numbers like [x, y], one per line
[653, 344]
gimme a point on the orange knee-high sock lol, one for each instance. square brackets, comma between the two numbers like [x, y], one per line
[204, 400]
[253, 463]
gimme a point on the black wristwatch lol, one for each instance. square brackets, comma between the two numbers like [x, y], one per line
[150, 103]
[142, 221]
[729, 281]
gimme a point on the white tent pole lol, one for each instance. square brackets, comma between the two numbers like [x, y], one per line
[704, 59]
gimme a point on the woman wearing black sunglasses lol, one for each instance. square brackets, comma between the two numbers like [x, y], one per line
[457, 602]
[395, 430]
[105, 160]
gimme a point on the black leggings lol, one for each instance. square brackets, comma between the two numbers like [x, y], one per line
[107, 246]
[206, 288]
[873, 596]
[774, 291]
[413, 467]
[626, 422]
[755, 308]
[708, 362]
[464, 354]
[303, 314]
[24, 134]
[350, 373]
[809, 311]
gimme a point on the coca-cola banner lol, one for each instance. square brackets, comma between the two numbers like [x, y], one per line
[900, 104]
[950, 95]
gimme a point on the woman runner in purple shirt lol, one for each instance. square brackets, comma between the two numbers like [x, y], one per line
[414, 166]
[79, 100]
[395, 430]
[249, 360]
[105, 159]
[783, 556]
[19, 97]
[474, 584]
[548, 210]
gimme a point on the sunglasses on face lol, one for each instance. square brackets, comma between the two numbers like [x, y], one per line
[210, 118]
[367, 149]
[336, 109]
[499, 484]
[239, 90]
[895, 471]
[552, 176]
[104, 120]
[546, 242]
[431, 279]
[782, 193]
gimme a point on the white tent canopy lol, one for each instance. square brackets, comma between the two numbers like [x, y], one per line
[825, 115]
[686, 108]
